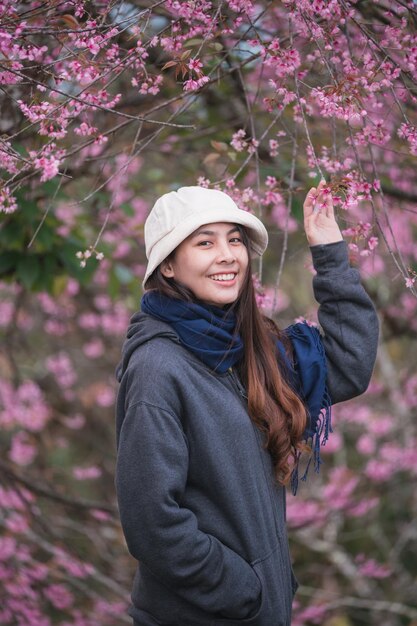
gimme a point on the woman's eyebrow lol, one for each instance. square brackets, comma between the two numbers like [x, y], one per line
[211, 233]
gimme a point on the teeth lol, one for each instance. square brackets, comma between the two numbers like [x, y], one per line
[223, 277]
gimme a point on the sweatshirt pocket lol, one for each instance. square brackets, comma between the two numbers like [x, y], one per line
[143, 618]
[277, 590]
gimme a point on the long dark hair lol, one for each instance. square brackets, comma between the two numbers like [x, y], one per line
[272, 404]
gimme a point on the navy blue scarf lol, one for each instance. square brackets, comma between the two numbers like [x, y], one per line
[308, 376]
[208, 332]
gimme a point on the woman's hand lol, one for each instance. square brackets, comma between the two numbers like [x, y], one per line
[319, 222]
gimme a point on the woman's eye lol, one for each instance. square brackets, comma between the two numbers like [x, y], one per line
[205, 243]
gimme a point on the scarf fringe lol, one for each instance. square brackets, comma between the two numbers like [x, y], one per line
[319, 439]
[323, 422]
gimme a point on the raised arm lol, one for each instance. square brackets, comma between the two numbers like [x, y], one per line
[348, 319]
[346, 313]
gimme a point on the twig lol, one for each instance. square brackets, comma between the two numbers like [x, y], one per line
[42, 490]
[97, 106]
[289, 209]
[371, 605]
[45, 215]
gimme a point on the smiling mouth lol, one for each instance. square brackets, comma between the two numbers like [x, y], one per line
[223, 277]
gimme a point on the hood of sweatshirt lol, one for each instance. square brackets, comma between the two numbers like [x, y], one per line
[142, 328]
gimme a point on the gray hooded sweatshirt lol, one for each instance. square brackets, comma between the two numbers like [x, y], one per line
[200, 508]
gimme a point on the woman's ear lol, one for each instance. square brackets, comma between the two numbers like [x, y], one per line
[166, 269]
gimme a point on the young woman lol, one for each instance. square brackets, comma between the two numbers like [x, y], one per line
[214, 406]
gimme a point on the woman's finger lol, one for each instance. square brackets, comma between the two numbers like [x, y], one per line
[319, 196]
[325, 200]
[309, 202]
[329, 205]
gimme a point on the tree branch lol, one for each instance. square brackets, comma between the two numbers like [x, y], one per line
[42, 490]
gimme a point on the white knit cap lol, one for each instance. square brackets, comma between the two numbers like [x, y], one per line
[177, 214]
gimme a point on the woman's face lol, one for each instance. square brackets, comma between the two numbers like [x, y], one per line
[212, 262]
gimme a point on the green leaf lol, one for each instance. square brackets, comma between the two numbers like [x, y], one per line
[8, 261]
[29, 210]
[72, 264]
[20, 148]
[50, 188]
[193, 42]
[28, 269]
[59, 284]
[113, 285]
[50, 263]
[67, 256]
[127, 209]
[12, 235]
[123, 274]
[85, 274]
[44, 239]
[49, 270]
[155, 174]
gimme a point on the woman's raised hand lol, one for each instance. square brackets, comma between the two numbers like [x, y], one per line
[319, 221]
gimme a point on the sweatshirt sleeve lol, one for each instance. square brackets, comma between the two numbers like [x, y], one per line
[162, 534]
[348, 320]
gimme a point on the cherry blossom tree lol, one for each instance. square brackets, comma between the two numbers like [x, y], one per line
[106, 105]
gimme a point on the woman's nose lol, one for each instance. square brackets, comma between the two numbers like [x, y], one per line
[226, 253]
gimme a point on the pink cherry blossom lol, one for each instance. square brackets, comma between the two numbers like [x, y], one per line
[22, 451]
[83, 473]
[8, 202]
[59, 596]
[62, 368]
[371, 569]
